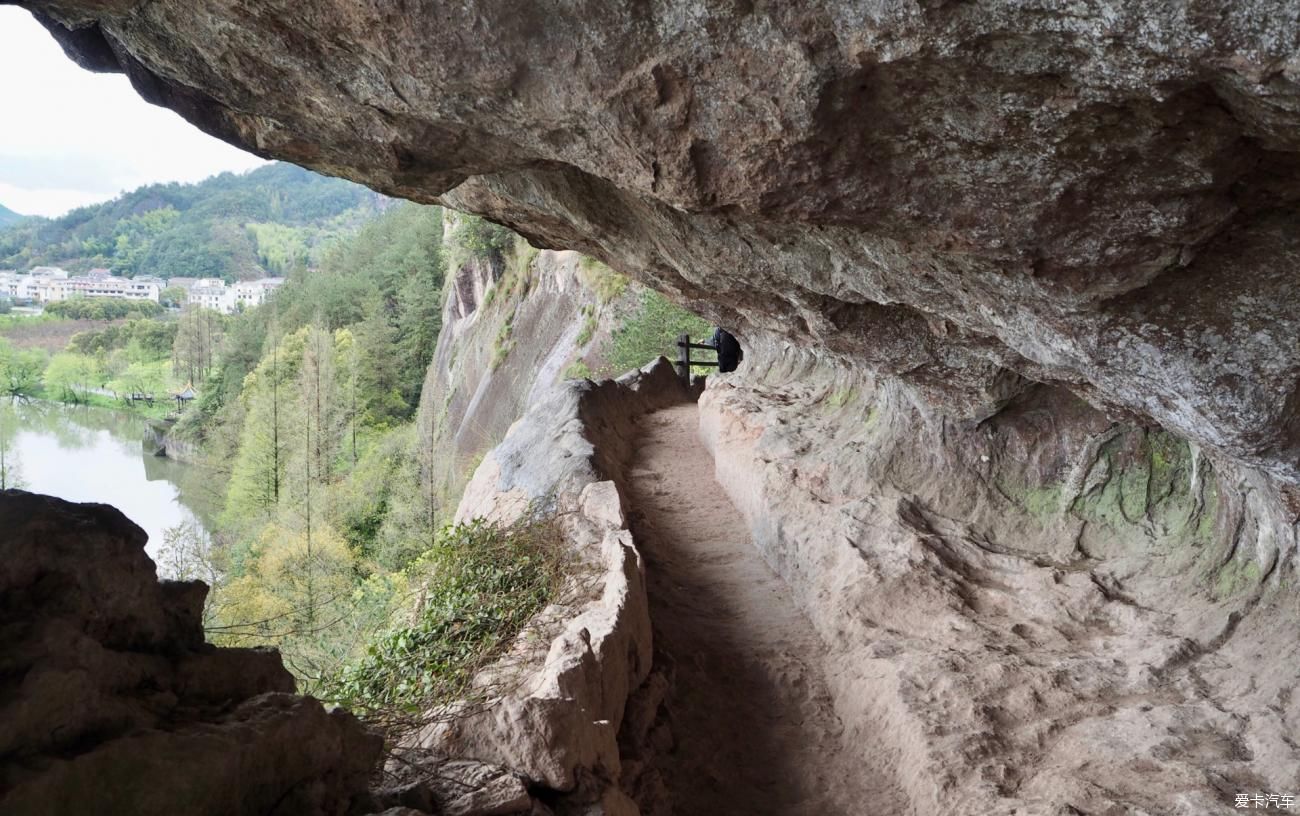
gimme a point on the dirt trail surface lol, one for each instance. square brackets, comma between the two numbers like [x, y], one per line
[754, 728]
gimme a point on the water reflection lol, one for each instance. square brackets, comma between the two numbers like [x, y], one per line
[86, 454]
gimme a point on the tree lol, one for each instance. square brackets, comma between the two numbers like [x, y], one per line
[141, 378]
[257, 474]
[290, 591]
[186, 555]
[20, 370]
[197, 344]
[10, 467]
[102, 308]
[419, 320]
[322, 420]
[379, 369]
[173, 297]
[72, 376]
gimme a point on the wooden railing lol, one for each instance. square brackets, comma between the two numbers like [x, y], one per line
[684, 361]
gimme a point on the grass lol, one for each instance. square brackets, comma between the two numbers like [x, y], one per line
[605, 282]
[46, 332]
[577, 370]
[651, 330]
[481, 585]
[504, 342]
[588, 325]
[161, 408]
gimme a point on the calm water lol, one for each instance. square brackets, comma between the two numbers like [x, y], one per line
[98, 455]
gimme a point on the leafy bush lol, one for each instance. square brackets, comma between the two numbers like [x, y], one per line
[103, 308]
[577, 370]
[153, 337]
[20, 370]
[605, 282]
[482, 584]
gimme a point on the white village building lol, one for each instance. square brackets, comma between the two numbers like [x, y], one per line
[50, 284]
[213, 293]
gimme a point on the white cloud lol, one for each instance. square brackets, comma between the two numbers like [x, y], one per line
[69, 137]
[45, 200]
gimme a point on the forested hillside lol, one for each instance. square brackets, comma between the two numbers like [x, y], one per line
[305, 422]
[331, 450]
[236, 227]
[8, 216]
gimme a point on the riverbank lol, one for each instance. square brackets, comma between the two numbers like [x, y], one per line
[161, 409]
[89, 453]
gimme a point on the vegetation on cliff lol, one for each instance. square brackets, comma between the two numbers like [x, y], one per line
[331, 541]
[329, 531]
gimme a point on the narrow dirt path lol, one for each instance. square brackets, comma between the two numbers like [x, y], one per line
[753, 725]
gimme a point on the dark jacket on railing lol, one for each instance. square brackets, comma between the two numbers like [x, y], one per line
[729, 352]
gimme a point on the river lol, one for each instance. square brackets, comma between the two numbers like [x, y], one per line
[87, 454]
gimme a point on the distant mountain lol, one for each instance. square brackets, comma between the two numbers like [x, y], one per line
[8, 216]
[232, 226]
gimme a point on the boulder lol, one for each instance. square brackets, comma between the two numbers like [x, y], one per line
[115, 704]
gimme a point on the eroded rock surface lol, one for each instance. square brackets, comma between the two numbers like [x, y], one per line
[961, 194]
[113, 702]
[558, 722]
[1051, 613]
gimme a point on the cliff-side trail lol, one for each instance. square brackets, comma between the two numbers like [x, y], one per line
[753, 725]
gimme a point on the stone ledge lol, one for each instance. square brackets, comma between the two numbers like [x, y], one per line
[560, 729]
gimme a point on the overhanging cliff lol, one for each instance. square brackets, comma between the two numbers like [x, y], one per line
[962, 195]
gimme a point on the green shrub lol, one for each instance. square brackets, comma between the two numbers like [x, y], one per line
[475, 237]
[577, 370]
[102, 308]
[504, 343]
[482, 584]
[588, 326]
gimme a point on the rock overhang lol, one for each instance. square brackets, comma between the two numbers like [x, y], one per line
[967, 196]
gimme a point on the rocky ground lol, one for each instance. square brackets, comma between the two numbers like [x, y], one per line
[113, 703]
[749, 724]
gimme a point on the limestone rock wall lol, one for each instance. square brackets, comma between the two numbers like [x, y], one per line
[509, 328]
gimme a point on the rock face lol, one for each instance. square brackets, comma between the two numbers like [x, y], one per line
[506, 337]
[959, 194]
[113, 703]
[561, 722]
[1051, 613]
[1020, 417]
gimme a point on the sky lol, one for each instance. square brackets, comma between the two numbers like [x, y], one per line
[69, 137]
